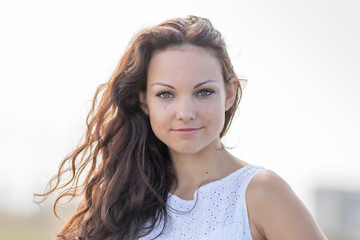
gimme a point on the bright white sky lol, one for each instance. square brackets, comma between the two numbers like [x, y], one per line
[300, 111]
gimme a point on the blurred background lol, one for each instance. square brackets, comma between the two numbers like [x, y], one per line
[299, 114]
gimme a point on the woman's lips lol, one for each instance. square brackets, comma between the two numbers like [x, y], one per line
[186, 131]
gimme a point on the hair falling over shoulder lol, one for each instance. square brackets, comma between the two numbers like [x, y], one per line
[122, 170]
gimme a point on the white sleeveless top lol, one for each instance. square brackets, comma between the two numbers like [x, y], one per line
[219, 213]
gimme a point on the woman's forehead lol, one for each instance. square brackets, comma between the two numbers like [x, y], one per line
[186, 46]
[184, 63]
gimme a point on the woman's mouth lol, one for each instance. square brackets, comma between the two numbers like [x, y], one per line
[186, 131]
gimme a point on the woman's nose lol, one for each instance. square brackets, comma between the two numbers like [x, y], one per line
[185, 110]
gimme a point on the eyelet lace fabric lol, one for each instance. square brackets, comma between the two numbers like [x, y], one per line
[218, 211]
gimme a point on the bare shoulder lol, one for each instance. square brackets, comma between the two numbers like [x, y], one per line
[275, 212]
[267, 184]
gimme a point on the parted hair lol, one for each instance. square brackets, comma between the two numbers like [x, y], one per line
[122, 170]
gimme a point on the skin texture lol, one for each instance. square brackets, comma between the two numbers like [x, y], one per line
[275, 212]
[186, 99]
[185, 89]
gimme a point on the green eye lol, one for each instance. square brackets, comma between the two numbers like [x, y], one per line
[205, 92]
[164, 95]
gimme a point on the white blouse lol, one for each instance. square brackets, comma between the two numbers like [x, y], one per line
[218, 211]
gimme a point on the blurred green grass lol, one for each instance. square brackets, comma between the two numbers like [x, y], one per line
[39, 225]
[18, 233]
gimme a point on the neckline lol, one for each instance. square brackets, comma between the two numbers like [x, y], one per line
[208, 185]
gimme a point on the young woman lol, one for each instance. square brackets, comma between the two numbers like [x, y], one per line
[152, 158]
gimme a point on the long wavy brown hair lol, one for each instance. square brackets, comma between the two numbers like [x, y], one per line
[123, 171]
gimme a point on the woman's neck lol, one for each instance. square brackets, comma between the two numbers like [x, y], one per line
[193, 170]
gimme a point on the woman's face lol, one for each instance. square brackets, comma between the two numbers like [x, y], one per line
[186, 98]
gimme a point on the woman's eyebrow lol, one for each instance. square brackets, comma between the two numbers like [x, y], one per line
[198, 85]
[172, 87]
[162, 84]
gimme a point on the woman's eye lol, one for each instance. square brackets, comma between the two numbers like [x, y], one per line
[205, 92]
[164, 95]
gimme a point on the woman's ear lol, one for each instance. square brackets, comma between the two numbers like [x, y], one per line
[231, 90]
[143, 105]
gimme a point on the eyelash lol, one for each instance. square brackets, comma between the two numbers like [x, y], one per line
[162, 93]
[207, 91]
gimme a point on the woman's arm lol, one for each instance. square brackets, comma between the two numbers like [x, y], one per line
[276, 213]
